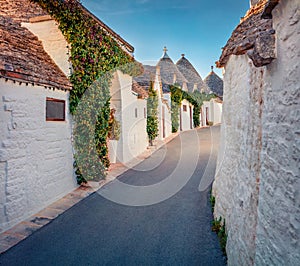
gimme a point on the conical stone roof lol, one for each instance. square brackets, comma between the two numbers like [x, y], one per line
[169, 72]
[214, 83]
[191, 75]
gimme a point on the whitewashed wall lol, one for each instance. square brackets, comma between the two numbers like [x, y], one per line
[131, 112]
[53, 42]
[257, 178]
[206, 114]
[214, 111]
[166, 99]
[217, 111]
[236, 182]
[168, 119]
[164, 119]
[186, 116]
[36, 160]
[278, 230]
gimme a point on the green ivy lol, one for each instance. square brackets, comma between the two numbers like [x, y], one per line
[176, 99]
[195, 98]
[152, 114]
[93, 54]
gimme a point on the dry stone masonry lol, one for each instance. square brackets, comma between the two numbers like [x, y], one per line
[257, 181]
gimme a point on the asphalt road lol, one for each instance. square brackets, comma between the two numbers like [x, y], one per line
[176, 231]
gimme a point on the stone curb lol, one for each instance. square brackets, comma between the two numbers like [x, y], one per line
[22, 230]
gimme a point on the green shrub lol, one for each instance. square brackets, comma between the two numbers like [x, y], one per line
[152, 114]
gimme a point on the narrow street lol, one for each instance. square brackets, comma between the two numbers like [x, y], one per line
[97, 231]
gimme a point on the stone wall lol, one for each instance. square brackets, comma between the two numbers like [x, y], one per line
[36, 160]
[278, 231]
[236, 185]
[257, 179]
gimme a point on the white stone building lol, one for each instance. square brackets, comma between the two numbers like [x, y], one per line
[164, 108]
[164, 74]
[130, 105]
[36, 155]
[36, 158]
[167, 73]
[257, 180]
[211, 112]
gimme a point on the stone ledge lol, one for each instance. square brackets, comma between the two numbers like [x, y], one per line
[40, 19]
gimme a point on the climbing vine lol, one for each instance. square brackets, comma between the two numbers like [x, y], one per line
[176, 99]
[93, 54]
[152, 114]
[195, 98]
[198, 99]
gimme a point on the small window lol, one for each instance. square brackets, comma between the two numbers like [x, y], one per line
[184, 108]
[136, 112]
[55, 109]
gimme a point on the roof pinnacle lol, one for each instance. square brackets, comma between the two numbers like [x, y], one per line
[165, 53]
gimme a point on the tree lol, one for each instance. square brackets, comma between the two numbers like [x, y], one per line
[152, 114]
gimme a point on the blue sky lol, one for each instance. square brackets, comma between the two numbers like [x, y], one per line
[196, 28]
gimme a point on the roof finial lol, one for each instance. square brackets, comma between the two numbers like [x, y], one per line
[165, 53]
[212, 68]
[182, 55]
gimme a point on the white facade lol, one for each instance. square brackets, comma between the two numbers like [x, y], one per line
[212, 112]
[132, 114]
[257, 179]
[186, 116]
[164, 119]
[36, 159]
[164, 108]
[53, 42]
